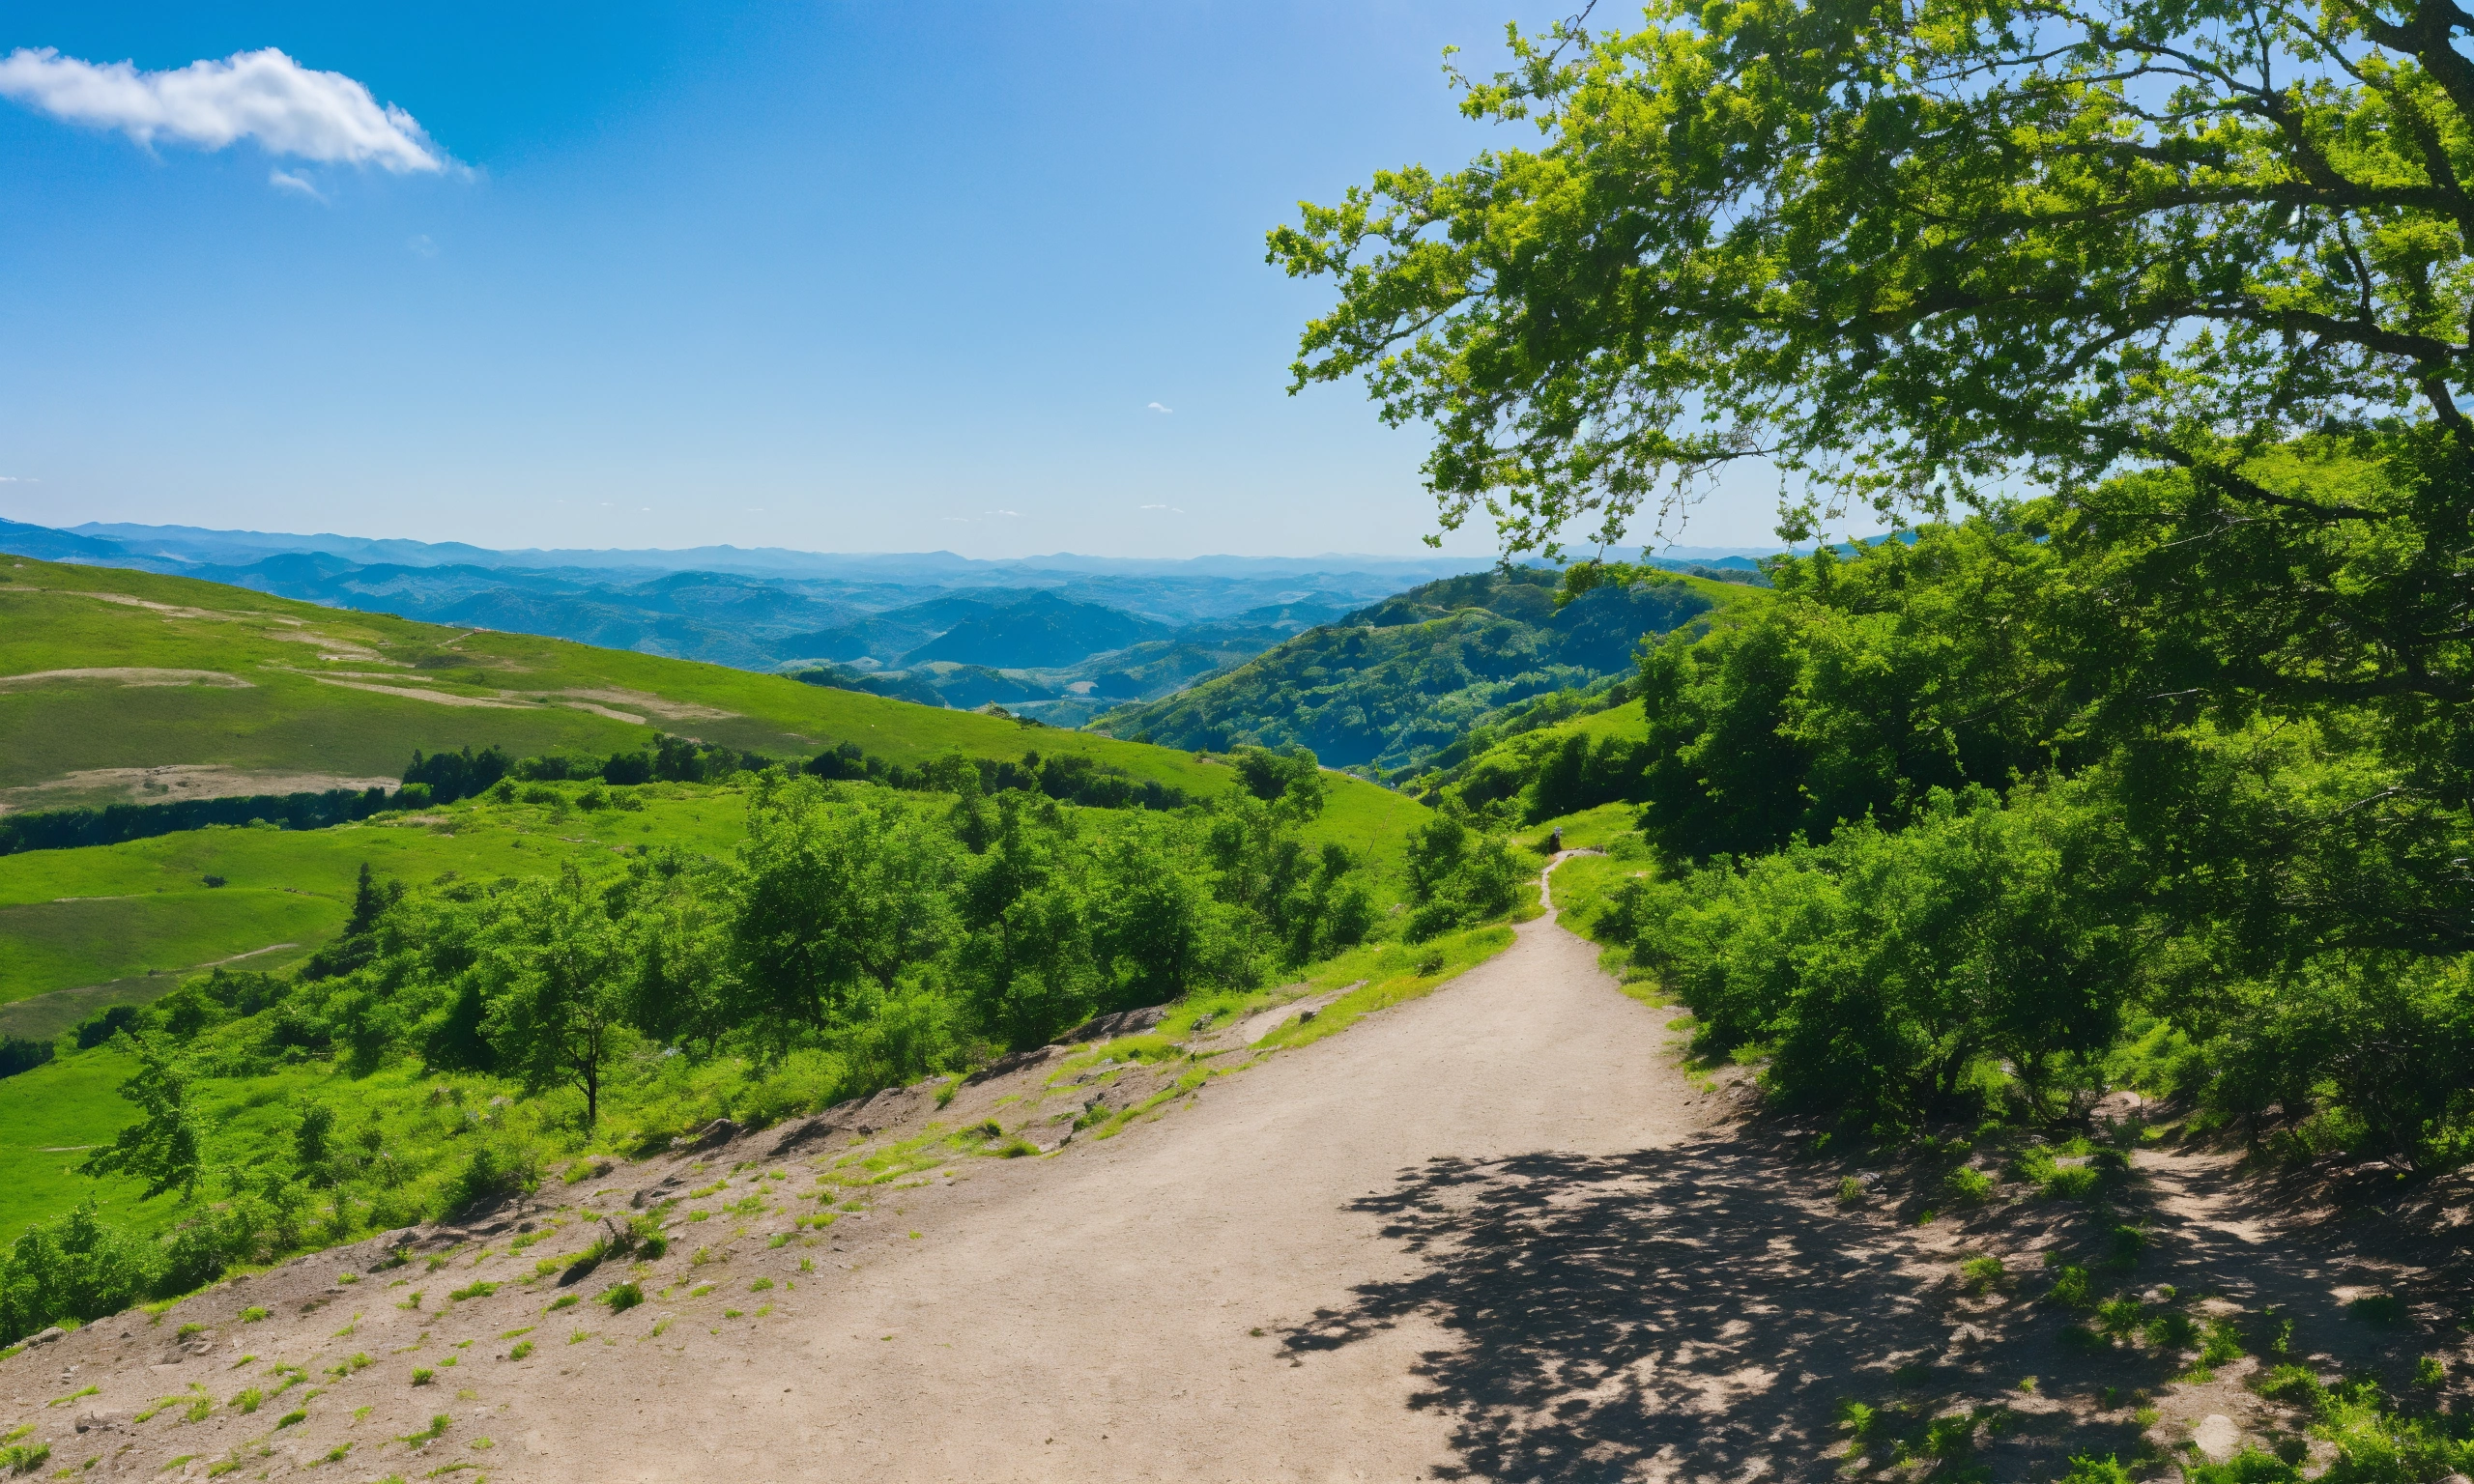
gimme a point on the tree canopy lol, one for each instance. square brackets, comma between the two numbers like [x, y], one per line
[1917, 252]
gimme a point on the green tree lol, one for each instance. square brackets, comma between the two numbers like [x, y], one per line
[166, 1147]
[1163, 930]
[564, 964]
[367, 902]
[313, 1144]
[1917, 251]
[837, 893]
[679, 985]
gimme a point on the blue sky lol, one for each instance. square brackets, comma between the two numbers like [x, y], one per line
[822, 276]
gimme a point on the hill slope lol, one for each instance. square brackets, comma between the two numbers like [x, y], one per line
[103, 669]
[1396, 682]
[114, 682]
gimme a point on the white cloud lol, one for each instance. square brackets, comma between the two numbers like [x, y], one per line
[285, 180]
[264, 95]
[1016, 514]
[1171, 509]
[1156, 407]
[422, 248]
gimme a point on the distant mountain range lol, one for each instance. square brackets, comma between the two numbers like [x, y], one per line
[1056, 636]
[1062, 637]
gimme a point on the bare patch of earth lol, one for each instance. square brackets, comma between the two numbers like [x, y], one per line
[92, 786]
[128, 676]
[416, 693]
[330, 648]
[655, 705]
[629, 717]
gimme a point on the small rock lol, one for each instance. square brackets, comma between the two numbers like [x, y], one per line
[2217, 1437]
[97, 1420]
[1305, 1015]
[45, 1337]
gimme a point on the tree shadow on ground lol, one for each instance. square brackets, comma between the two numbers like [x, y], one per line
[1701, 1311]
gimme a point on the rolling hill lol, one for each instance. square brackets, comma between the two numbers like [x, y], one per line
[116, 685]
[757, 610]
[1397, 683]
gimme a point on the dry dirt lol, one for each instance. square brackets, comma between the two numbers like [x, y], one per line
[414, 693]
[171, 784]
[1495, 1233]
[131, 675]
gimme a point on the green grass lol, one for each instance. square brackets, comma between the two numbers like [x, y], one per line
[1595, 829]
[45, 1112]
[288, 720]
[60, 945]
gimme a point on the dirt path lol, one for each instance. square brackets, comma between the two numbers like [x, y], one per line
[1495, 1233]
[1124, 1314]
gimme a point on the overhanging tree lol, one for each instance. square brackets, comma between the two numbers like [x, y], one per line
[1919, 253]
[1919, 247]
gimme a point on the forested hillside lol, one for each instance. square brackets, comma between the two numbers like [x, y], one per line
[1397, 683]
[596, 930]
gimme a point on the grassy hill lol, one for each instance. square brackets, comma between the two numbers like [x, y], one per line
[1398, 683]
[235, 689]
[123, 671]
[107, 668]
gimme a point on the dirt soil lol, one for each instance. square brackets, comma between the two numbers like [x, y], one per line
[1499, 1232]
[170, 785]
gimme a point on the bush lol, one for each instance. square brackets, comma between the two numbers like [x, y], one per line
[77, 1269]
[104, 1024]
[492, 1172]
[2251, 1465]
[2072, 1288]
[1888, 969]
[1968, 1184]
[18, 1054]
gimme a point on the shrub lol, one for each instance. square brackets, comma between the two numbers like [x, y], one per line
[1968, 1184]
[2072, 1288]
[2251, 1465]
[622, 1296]
[491, 1172]
[2072, 1183]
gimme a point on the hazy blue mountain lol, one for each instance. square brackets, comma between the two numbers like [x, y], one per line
[1039, 632]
